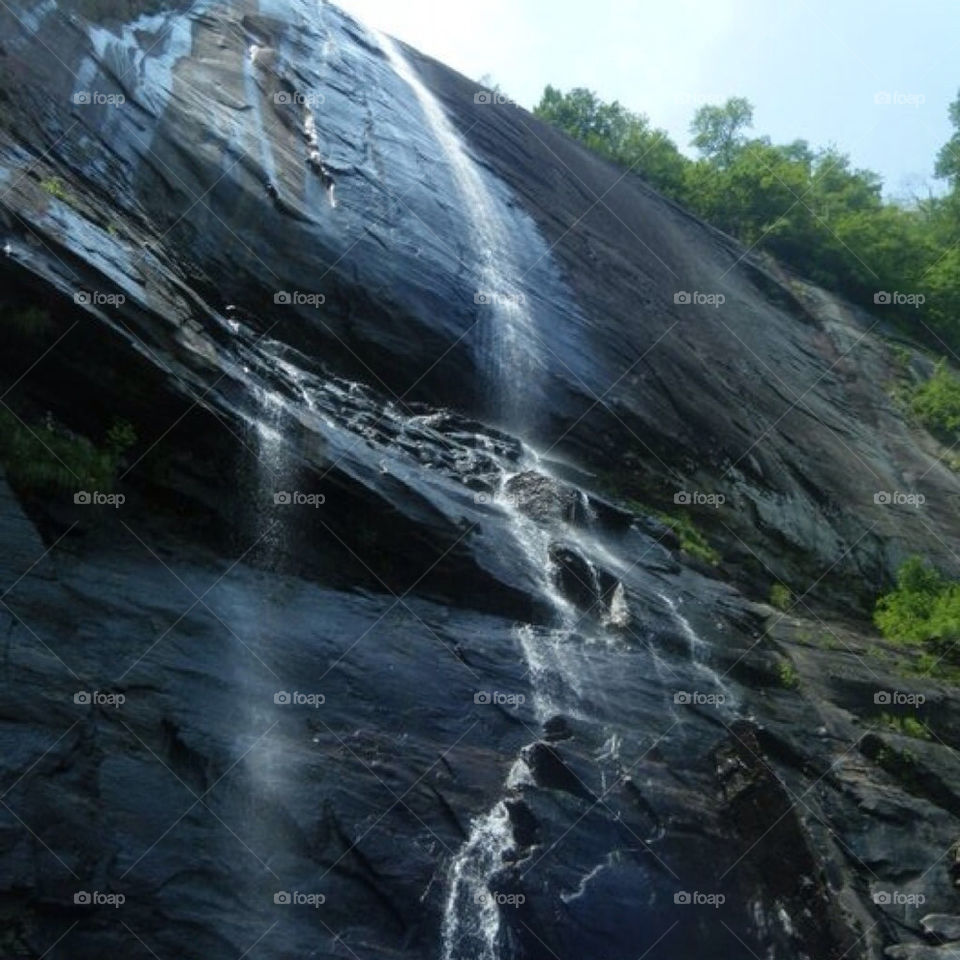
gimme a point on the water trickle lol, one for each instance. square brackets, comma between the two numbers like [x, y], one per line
[272, 466]
[259, 135]
[698, 650]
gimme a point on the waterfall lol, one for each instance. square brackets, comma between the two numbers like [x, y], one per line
[507, 340]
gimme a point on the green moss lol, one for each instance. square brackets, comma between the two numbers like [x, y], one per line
[787, 672]
[692, 540]
[55, 187]
[781, 597]
[47, 459]
[905, 726]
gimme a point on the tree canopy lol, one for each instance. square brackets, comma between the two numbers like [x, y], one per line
[808, 207]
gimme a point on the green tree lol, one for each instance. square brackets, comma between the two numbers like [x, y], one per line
[948, 160]
[619, 134]
[717, 131]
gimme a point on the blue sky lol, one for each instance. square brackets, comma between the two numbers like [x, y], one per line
[812, 68]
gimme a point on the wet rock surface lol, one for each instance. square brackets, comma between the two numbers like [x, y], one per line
[342, 675]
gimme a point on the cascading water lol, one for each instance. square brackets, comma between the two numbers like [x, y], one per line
[508, 341]
[471, 924]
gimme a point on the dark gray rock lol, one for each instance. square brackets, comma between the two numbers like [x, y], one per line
[942, 927]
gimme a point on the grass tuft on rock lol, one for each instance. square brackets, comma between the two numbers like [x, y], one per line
[923, 611]
[936, 402]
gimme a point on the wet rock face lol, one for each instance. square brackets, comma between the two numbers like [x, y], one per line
[575, 577]
[765, 821]
[587, 586]
[545, 500]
